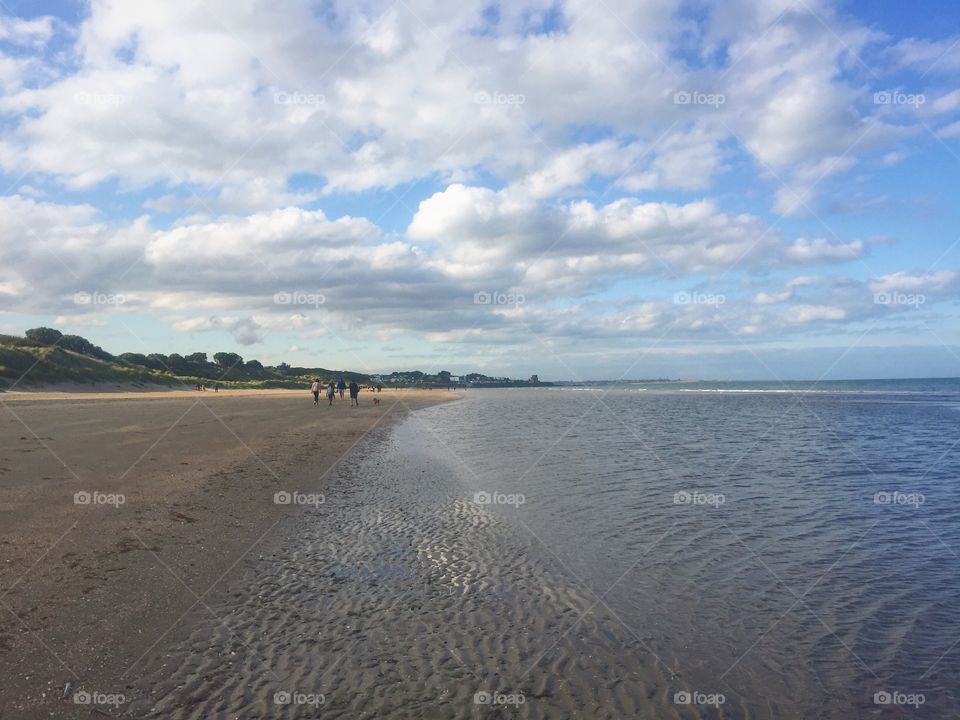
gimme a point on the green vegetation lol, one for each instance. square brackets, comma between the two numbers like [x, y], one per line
[46, 356]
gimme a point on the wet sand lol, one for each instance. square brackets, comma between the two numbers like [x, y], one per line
[177, 493]
[399, 597]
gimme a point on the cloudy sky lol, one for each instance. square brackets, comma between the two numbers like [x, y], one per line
[584, 189]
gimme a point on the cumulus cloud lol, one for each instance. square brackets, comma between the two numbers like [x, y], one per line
[51, 251]
[26, 32]
[291, 268]
[810, 313]
[926, 56]
[821, 249]
[544, 244]
[929, 281]
[787, 293]
[245, 330]
[242, 106]
[590, 151]
[256, 244]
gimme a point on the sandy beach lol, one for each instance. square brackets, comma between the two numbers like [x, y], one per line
[470, 559]
[122, 511]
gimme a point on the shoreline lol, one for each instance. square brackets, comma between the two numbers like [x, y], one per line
[87, 393]
[399, 597]
[88, 589]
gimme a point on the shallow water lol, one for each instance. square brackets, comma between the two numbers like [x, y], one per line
[605, 553]
[743, 533]
[398, 597]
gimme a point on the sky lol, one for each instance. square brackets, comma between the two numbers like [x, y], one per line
[735, 189]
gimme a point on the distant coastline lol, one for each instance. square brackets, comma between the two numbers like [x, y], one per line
[46, 357]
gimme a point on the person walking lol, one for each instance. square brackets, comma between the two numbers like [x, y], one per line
[341, 386]
[354, 394]
[315, 389]
[331, 393]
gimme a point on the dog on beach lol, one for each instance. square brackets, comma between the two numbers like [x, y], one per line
[376, 401]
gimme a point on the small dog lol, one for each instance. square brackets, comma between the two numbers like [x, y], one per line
[376, 401]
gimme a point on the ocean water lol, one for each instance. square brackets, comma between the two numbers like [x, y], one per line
[764, 550]
[684, 551]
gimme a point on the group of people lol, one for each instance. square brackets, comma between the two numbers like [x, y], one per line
[334, 390]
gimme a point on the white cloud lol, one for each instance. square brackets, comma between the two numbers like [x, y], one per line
[686, 159]
[479, 230]
[787, 293]
[821, 249]
[49, 251]
[765, 298]
[224, 273]
[519, 134]
[929, 281]
[174, 94]
[946, 103]
[950, 131]
[795, 198]
[245, 330]
[926, 56]
[256, 243]
[893, 158]
[571, 168]
[26, 32]
[811, 313]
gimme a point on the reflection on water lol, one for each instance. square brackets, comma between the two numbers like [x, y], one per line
[801, 551]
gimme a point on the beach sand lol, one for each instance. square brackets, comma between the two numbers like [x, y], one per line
[89, 591]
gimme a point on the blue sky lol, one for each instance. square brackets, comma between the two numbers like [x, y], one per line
[754, 189]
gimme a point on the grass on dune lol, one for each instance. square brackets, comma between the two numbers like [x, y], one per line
[26, 362]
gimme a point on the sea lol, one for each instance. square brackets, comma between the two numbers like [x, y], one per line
[792, 548]
[636, 550]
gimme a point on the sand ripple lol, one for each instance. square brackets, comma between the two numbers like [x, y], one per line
[399, 597]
